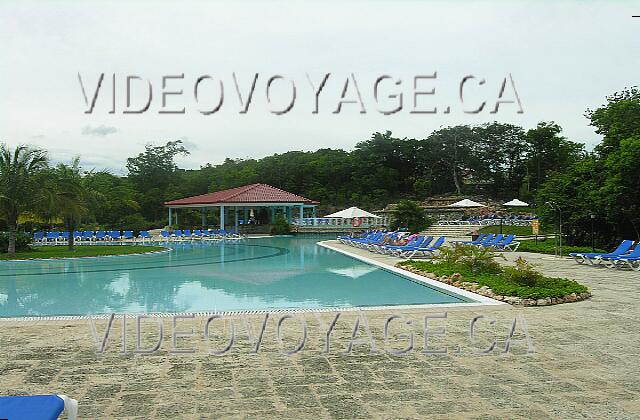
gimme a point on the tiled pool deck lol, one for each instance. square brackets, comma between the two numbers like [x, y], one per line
[586, 364]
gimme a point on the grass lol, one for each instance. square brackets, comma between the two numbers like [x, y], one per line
[516, 230]
[500, 284]
[547, 247]
[80, 251]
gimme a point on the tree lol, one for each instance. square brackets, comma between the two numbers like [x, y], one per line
[66, 196]
[549, 152]
[451, 154]
[606, 183]
[155, 170]
[616, 120]
[18, 184]
[114, 198]
[408, 214]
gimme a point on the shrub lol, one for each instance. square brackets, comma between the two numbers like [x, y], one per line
[522, 274]
[475, 259]
[22, 242]
[280, 227]
[521, 281]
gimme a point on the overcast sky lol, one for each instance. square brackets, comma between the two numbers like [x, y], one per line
[564, 57]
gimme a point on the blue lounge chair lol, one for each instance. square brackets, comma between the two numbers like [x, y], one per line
[77, 235]
[496, 240]
[101, 235]
[509, 243]
[581, 257]
[415, 241]
[422, 242]
[620, 260]
[380, 247]
[64, 236]
[423, 251]
[45, 407]
[486, 239]
[165, 234]
[87, 235]
[127, 234]
[52, 237]
[187, 233]
[178, 233]
[477, 241]
[144, 235]
[38, 237]
[115, 235]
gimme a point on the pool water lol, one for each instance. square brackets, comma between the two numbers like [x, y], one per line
[255, 274]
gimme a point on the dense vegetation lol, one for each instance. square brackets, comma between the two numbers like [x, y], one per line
[477, 265]
[500, 161]
[79, 251]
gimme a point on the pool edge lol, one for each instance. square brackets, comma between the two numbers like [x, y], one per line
[478, 300]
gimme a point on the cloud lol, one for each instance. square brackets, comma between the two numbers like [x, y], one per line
[191, 146]
[100, 131]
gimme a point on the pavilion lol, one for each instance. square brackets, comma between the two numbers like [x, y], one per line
[242, 200]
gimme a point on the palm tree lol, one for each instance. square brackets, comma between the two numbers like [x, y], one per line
[65, 196]
[18, 184]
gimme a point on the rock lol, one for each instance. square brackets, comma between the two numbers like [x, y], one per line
[559, 300]
[457, 283]
[498, 297]
[529, 302]
[554, 301]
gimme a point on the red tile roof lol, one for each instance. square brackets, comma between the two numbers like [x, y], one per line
[254, 193]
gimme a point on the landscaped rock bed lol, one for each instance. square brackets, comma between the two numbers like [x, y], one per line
[456, 280]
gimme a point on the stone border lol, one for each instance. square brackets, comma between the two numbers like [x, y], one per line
[162, 251]
[486, 291]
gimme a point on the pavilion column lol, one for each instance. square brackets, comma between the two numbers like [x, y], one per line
[245, 216]
[289, 214]
[203, 212]
[236, 214]
[222, 217]
[301, 213]
[170, 216]
[176, 217]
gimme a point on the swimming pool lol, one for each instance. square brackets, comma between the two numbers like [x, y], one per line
[256, 274]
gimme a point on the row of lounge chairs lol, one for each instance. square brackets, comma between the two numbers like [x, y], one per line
[56, 238]
[200, 234]
[382, 242]
[497, 242]
[625, 255]
[91, 237]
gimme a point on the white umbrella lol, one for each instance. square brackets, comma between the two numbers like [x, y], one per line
[350, 213]
[466, 203]
[516, 203]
